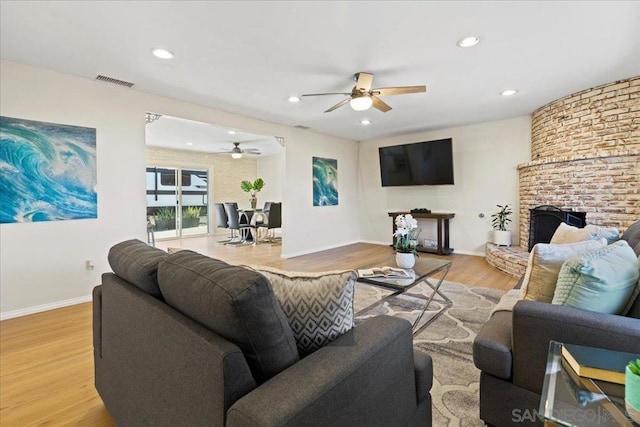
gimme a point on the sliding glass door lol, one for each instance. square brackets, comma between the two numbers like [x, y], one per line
[177, 201]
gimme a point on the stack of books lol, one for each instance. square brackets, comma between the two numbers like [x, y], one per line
[597, 363]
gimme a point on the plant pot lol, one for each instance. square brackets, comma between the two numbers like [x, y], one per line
[165, 224]
[632, 394]
[405, 260]
[190, 222]
[502, 237]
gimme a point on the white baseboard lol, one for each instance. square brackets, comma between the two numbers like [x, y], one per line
[482, 254]
[44, 307]
[374, 242]
[455, 251]
[314, 250]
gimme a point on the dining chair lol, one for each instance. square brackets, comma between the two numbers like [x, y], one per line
[222, 221]
[233, 219]
[274, 220]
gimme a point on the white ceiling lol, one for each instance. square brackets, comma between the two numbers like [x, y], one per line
[248, 57]
[182, 134]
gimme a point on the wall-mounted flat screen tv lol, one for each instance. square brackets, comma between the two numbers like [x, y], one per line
[420, 163]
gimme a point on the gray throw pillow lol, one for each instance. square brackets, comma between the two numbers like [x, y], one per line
[234, 302]
[137, 263]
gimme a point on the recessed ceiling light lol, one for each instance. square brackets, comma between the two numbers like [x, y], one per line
[232, 132]
[162, 53]
[468, 41]
[294, 99]
[189, 143]
[508, 92]
[365, 122]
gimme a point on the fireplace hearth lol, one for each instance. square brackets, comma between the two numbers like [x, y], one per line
[545, 219]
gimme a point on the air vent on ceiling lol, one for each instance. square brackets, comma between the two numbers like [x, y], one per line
[113, 81]
[302, 127]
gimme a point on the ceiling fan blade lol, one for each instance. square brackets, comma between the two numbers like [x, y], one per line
[338, 105]
[328, 93]
[251, 150]
[365, 80]
[401, 90]
[380, 104]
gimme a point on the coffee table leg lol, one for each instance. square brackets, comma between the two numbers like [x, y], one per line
[448, 302]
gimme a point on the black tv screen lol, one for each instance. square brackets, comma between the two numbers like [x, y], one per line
[421, 163]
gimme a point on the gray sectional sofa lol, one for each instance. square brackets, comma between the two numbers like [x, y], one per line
[511, 349]
[186, 340]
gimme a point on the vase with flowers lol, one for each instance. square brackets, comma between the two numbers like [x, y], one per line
[406, 236]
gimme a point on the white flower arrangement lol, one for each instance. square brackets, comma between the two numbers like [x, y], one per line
[406, 234]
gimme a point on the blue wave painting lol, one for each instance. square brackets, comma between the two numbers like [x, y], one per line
[325, 182]
[47, 171]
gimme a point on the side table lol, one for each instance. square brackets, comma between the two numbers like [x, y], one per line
[570, 400]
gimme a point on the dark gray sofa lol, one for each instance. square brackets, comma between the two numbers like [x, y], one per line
[511, 349]
[162, 366]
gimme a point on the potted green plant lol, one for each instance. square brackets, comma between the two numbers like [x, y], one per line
[632, 390]
[253, 188]
[191, 216]
[500, 219]
[165, 219]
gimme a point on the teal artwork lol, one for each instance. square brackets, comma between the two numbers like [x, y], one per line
[47, 171]
[325, 182]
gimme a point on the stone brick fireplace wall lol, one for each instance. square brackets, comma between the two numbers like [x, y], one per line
[585, 151]
[585, 156]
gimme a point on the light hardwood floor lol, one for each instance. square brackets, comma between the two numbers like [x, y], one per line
[46, 359]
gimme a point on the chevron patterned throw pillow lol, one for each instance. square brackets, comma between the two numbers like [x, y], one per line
[319, 306]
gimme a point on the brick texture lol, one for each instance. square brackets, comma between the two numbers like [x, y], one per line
[585, 151]
[511, 260]
[596, 122]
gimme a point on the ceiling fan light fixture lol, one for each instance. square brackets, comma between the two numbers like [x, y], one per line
[468, 41]
[236, 155]
[361, 103]
[162, 53]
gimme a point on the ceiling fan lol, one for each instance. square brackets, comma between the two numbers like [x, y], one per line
[362, 96]
[237, 152]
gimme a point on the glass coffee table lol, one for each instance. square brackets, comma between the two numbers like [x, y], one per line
[570, 400]
[425, 269]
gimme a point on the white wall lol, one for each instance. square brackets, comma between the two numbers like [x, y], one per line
[485, 157]
[42, 265]
[271, 169]
[319, 223]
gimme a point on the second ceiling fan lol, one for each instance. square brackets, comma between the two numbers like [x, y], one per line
[362, 95]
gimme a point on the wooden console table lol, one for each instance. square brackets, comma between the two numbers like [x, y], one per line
[443, 229]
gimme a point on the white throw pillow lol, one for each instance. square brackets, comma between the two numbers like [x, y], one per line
[569, 234]
[545, 261]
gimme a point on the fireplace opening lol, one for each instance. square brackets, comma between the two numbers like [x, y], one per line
[545, 219]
